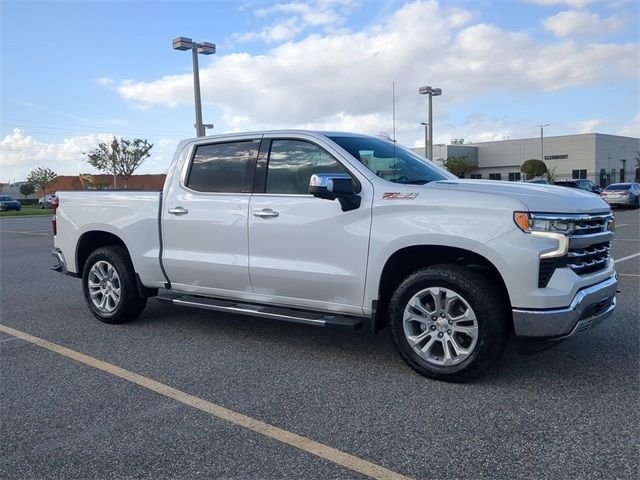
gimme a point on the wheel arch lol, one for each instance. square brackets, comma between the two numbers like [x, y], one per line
[408, 259]
[91, 241]
[94, 239]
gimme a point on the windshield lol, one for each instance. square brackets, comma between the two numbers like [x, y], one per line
[392, 161]
[619, 187]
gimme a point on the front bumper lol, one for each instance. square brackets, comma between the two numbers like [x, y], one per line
[590, 306]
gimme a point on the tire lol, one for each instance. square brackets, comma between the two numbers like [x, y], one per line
[483, 306]
[129, 304]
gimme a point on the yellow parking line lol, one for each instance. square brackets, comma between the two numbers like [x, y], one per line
[26, 233]
[318, 449]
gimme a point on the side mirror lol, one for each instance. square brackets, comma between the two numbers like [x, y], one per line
[332, 186]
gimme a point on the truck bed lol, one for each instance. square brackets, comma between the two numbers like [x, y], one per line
[133, 216]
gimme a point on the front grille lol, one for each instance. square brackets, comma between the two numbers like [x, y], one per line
[589, 248]
[588, 260]
[590, 224]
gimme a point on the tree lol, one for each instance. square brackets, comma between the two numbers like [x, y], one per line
[458, 165]
[533, 168]
[27, 189]
[551, 174]
[119, 157]
[41, 177]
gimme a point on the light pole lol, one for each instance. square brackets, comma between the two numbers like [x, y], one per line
[205, 48]
[542, 140]
[426, 138]
[432, 92]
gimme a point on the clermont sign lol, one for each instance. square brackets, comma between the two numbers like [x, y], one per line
[556, 157]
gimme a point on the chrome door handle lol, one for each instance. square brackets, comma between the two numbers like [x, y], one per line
[178, 211]
[266, 213]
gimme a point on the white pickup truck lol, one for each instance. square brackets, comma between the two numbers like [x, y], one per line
[347, 230]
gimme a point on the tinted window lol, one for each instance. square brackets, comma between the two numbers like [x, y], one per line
[224, 167]
[391, 161]
[618, 187]
[292, 162]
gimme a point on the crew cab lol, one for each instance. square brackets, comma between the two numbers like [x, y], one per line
[345, 230]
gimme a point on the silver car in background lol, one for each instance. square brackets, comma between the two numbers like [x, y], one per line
[622, 194]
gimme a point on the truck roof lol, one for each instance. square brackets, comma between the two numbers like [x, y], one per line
[323, 133]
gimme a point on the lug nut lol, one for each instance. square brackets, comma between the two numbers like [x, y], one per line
[449, 331]
[450, 322]
[442, 315]
[434, 318]
[440, 335]
[433, 327]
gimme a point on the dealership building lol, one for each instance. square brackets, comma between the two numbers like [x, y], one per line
[599, 157]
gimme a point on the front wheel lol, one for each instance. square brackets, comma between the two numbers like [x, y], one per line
[109, 286]
[448, 322]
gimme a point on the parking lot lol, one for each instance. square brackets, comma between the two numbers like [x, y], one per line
[570, 411]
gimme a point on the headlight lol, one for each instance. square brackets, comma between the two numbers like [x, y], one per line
[529, 224]
[546, 227]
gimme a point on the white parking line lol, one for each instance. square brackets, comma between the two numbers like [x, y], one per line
[628, 257]
[318, 449]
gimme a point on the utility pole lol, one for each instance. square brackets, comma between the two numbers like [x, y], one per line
[542, 140]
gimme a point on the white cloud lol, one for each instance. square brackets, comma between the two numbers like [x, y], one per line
[343, 80]
[105, 81]
[574, 22]
[571, 3]
[632, 129]
[19, 153]
[591, 126]
[298, 17]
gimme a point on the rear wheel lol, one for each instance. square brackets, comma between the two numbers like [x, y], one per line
[109, 286]
[448, 322]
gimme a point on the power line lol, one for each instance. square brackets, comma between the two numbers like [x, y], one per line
[84, 126]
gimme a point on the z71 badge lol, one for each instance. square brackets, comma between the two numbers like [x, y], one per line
[399, 195]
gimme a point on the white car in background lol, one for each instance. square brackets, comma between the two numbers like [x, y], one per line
[45, 201]
[622, 194]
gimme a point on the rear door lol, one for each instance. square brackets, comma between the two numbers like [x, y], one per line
[205, 243]
[306, 251]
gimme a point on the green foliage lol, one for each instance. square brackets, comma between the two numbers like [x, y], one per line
[27, 189]
[120, 156]
[551, 175]
[458, 165]
[41, 177]
[533, 168]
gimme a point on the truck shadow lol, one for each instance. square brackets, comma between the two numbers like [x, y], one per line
[584, 359]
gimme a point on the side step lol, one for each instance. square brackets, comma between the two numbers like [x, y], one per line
[319, 319]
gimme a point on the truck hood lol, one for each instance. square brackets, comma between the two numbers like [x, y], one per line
[537, 197]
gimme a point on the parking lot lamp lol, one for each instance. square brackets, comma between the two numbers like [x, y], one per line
[432, 92]
[204, 48]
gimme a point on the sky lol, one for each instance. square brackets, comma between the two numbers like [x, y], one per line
[76, 73]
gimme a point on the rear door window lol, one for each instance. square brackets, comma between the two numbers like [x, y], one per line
[224, 167]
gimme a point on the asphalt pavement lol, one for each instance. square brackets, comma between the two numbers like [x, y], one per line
[571, 411]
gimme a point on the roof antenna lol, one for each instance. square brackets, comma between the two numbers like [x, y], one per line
[393, 94]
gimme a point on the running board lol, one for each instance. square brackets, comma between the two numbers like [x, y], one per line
[319, 319]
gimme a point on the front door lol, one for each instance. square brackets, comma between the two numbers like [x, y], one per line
[204, 216]
[306, 251]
